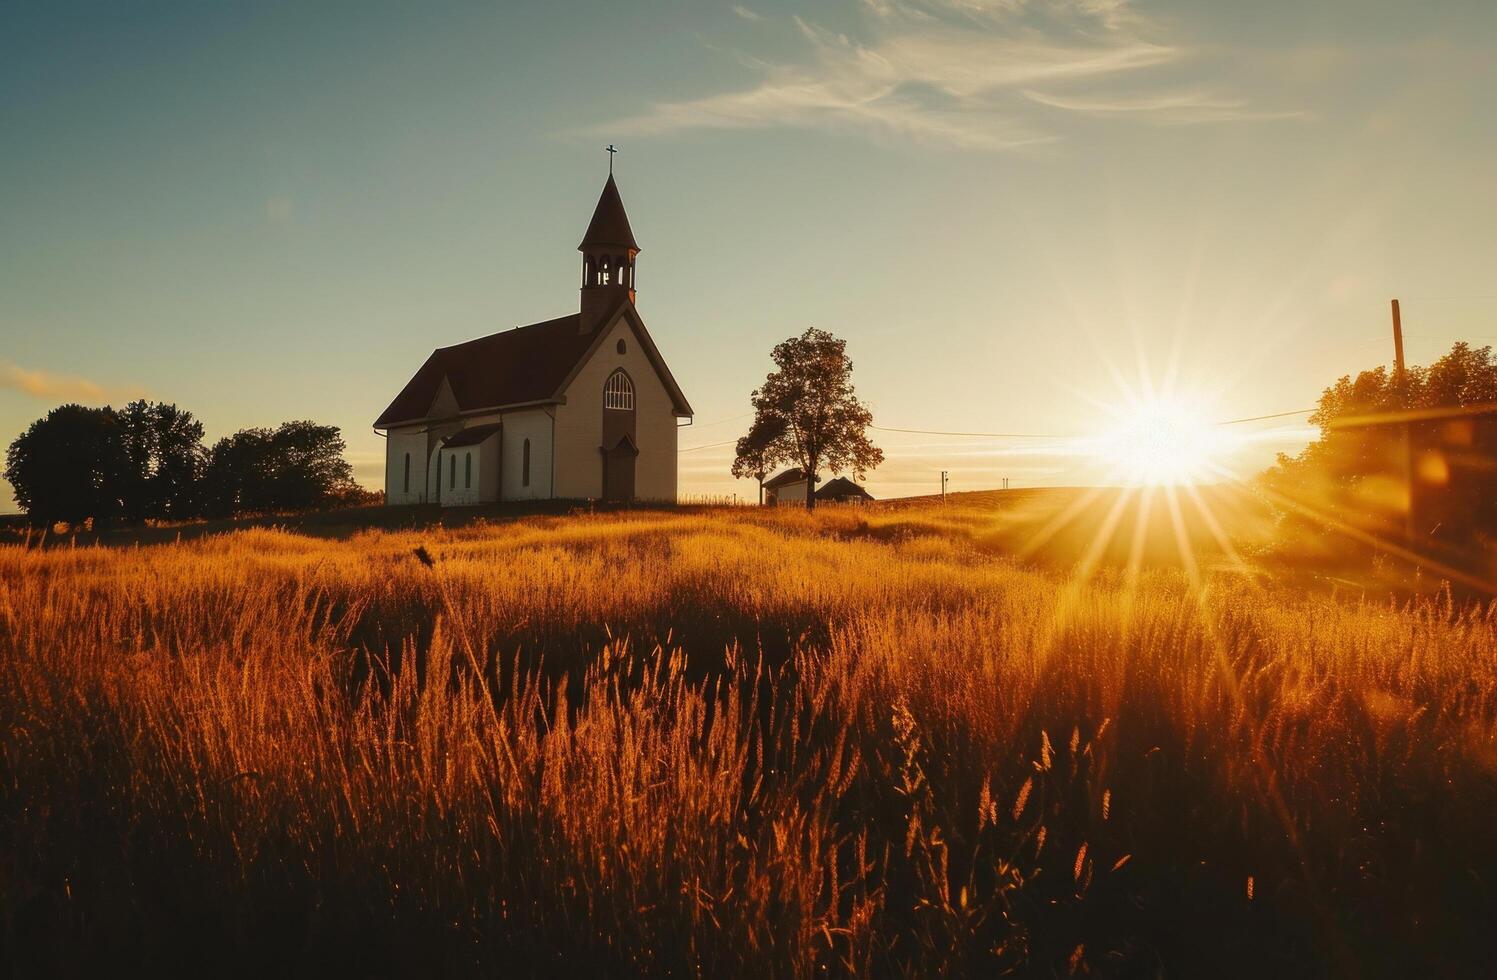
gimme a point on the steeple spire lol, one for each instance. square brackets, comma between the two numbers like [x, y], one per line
[610, 225]
[608, 250]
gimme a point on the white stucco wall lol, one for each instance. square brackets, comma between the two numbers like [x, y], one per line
[533, 424]
[792, 493]
[455, 463]
[579, 423]
[485, 480]
[398, 444]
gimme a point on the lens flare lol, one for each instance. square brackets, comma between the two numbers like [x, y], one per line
[1163, 442]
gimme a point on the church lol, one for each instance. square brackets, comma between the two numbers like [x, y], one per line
[582, 406]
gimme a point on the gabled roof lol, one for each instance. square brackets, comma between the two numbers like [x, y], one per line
[471, 436]
[610, 225]
[841, 487]
[626, 443]
[792, 475]
[524, 366]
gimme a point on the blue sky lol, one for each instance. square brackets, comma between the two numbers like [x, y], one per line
[1017, 212]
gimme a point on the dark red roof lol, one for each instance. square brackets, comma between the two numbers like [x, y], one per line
[522, 366]
[526, 364]
[610, 225]
[792, 475]
[471, 436]
[842, 487]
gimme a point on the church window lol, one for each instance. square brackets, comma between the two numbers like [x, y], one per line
[618, 392]
[621, 347]
[604, 272]
[467, 471]
[452, 472]
[407, 473]
[525, 464]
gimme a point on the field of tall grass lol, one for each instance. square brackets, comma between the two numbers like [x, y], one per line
[887, 741]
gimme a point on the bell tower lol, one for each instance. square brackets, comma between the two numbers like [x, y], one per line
[608, 250]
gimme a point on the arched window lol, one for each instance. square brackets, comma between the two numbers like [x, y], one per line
[621, 348]
[452, 472]
[618, 392]
[618, 270]
[467, 471]
[525, 464]
[604, 272]
[407, 473]
[588, 271]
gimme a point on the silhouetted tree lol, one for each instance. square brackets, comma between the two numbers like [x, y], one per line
[760, 451]
[297, 466]
[1359, 469]
[69, 466]
[165, 457]
[811, 397]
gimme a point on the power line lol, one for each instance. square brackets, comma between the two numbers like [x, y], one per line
[1020, 435]
[1275, 415]
[708, 446]
[993, 435]
[1046, 435]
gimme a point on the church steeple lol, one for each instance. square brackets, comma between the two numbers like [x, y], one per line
[608, 250]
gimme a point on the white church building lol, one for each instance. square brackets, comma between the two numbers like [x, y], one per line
[582, 406]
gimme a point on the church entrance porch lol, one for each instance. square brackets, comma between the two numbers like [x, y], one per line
[618, 470]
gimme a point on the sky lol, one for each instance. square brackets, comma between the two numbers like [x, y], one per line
[1019, 214]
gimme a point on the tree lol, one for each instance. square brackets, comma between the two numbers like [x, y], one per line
[1362, 471]
[810, 400]
[164, 451]
[298, 466]
[310, 469]
[69, 466]
[760, 451]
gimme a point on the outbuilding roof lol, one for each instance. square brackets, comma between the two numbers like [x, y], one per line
[842, 487]
[792, 475]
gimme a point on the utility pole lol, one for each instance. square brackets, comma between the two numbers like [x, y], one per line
[943, 486]
[1400, 378]
[1397, 345]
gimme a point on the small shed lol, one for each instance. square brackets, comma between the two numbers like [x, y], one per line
[788, 487]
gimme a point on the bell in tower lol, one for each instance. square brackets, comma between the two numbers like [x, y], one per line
[608, 250]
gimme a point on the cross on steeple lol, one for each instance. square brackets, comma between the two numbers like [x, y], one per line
[611, 151]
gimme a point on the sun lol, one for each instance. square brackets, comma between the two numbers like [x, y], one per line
[1162, 442]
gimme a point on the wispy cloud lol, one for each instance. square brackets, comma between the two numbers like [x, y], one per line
[1181, 107]
[746, 13]
[44, 384]
[963, 73]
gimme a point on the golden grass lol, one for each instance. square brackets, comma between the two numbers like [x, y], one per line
[733, 743]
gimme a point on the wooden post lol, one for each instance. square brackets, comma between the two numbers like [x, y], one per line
[1397, 345]
[1399, 380]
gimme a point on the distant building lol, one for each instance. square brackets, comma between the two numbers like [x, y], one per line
[582, 406]
[789, 487]
[842, 491]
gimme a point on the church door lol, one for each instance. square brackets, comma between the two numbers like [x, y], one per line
[618, 470]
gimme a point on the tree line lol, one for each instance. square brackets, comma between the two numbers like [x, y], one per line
[1404, 454]
[148, 461]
